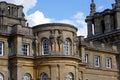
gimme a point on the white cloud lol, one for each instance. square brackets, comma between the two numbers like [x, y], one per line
[82, 30]
[37, 18]
[100, 7]
[67, 21]
[77, 20]
[26, 3]
[80, 23]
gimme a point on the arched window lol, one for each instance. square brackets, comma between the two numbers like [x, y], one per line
[69, 76]
[8, 9]
[45, 47]
[44, 76]
[27, 77]
[1, 76]
[67, 47]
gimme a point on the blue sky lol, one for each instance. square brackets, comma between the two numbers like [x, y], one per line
[64, 11]
[61, 9]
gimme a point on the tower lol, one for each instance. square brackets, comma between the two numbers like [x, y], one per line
[92, 7]
[104, 26]
[11, 14]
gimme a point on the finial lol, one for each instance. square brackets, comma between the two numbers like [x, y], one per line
[92, 7]
[92, 1]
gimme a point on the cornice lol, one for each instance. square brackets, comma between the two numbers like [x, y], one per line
[55, 24]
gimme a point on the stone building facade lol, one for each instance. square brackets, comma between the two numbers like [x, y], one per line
[53, 51]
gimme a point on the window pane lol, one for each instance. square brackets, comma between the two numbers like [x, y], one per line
[108, 62]
[45, 46]
[1, 77]
[67, 47]
[27, 77]
[86, 58]
[1, 48]
[69, 76]
[44, 76]
[97, 61]
[25, 49]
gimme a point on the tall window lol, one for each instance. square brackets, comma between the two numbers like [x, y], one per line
[44, 76]
[97, 61]
[93, 29]
[69, 76]
[67, 47]
[86, 58]
[1, 48]
[108, 62]
[27, 77]
[25, 49]
[1, 76]
[8, 9]
[45, 47]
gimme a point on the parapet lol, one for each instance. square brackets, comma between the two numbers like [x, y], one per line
[16, 30]
[11, 10]
[95, 45]
[19, 30]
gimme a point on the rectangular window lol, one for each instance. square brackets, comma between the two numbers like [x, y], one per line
[25, 49]
[97, 61]
[108, 62]
[86, 58]
[1, 48]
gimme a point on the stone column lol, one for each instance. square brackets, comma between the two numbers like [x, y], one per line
[40, 48]
[97, 28]
[62, 74]
[62, 48]
[19, 72]
[74, 46]
[18, 45]
[117, 14]
[76, 77]
[89, 28]
[107, 23]
[20, 11]
[117, 20]
[83, 54]
[36, 44]
[54, 74]
[82, 48]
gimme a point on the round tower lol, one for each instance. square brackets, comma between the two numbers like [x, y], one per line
[57, 55]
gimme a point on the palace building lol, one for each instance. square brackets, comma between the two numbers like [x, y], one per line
[53, 51]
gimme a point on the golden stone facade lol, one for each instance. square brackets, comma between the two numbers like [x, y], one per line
[54, 51]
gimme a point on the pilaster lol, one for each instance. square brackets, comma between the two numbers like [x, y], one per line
[18, 45]
[107, 23]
